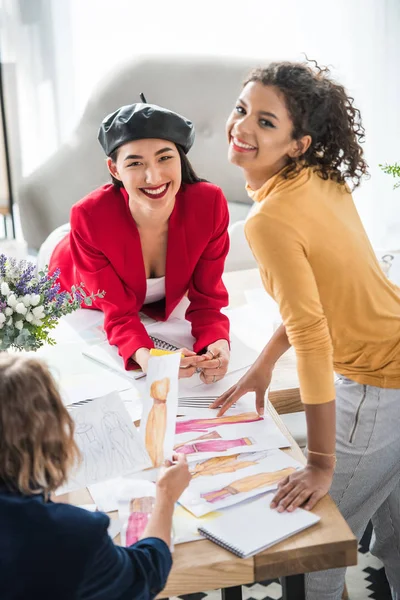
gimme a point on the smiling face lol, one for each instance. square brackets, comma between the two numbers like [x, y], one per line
[150, 170]
[260, 133]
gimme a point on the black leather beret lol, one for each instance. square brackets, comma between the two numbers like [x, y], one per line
[142, 121]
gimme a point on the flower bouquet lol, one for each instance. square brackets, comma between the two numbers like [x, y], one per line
[31, 304]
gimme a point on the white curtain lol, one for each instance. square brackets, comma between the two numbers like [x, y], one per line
[359, 39]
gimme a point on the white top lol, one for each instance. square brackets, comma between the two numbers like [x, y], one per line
[155, 290]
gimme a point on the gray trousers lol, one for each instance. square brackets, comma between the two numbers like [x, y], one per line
[366, 484]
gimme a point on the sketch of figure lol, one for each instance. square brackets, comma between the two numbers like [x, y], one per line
[90, 445]
[247, 484]
[214, 445]
[205, 424]
[213, 435]
[157, 421]
[140, 509]
[223, 464]
[119, 436]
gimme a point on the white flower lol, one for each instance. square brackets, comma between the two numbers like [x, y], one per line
[10, 321]
[37, 322]
[27, 300]
[19, 325]
[5, 290]
[35, 299]
[12, 300]
[9, 311]
[29, 317]
[2, 318]
[21, 308]
[38, 312]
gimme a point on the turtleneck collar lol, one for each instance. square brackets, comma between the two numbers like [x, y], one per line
[276, 182]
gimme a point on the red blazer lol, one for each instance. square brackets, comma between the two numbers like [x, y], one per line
[104, 252]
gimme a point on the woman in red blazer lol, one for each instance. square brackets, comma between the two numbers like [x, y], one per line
[154, 234]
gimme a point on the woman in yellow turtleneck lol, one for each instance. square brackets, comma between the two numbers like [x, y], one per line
[296, 135]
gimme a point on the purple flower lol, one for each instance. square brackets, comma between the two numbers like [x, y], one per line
[3, 259]
[23, 287]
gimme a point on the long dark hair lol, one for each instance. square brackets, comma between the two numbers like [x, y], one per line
[321, 108]
[188, 173]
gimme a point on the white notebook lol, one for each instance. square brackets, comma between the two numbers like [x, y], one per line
[253, 526]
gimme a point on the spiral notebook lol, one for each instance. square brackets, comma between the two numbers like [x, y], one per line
[264, 526]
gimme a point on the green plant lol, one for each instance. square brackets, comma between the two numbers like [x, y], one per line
[392, 170]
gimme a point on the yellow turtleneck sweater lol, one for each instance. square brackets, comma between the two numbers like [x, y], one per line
[340, 311]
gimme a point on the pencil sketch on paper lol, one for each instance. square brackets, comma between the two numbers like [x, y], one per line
[247, 484]
[160, 403]
[109, 443]
[185, 426]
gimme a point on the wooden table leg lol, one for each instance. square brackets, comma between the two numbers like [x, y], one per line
[293, 587]
[232, 593]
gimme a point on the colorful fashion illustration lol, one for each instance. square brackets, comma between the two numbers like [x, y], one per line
[247, 484]
[222, 464]
[213, 445]
[205, 424]
[157, 421]
[140, 509]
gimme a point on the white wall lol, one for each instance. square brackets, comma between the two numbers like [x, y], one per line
[358, 38]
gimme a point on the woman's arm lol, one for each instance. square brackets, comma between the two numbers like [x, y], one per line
[141, 570]
[121, 311]
[207, 293]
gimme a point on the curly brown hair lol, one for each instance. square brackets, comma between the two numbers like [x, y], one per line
[321, 108]
[37, 447]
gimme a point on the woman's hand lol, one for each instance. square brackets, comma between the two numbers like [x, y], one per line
[189, 361]
[303, 487]
[257, 379]
[216, 362]
[174, 478]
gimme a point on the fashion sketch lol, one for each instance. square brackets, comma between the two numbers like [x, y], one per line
[247, 484]
[140, 510]
[157, 421]
[223, 464]
[91, 447]
[119, 437]
[213, 445]
[205, 424]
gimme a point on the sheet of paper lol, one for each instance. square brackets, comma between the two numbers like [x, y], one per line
[109, 443]
[107, 493]
[75, 388]
[233, 433]
[157, 427]
[224, 481]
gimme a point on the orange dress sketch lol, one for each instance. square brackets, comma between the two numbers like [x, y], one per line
[157, 421]
[140, 509]
[222, 464]
[205, 424]
[247, 484]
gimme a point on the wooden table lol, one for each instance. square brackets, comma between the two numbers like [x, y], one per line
[202, 565]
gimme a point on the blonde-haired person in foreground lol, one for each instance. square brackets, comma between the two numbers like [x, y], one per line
[57, 551]
[296, 135]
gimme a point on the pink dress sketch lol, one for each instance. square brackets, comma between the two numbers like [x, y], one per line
[140, 509]
[205, 424]
[213, 445]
